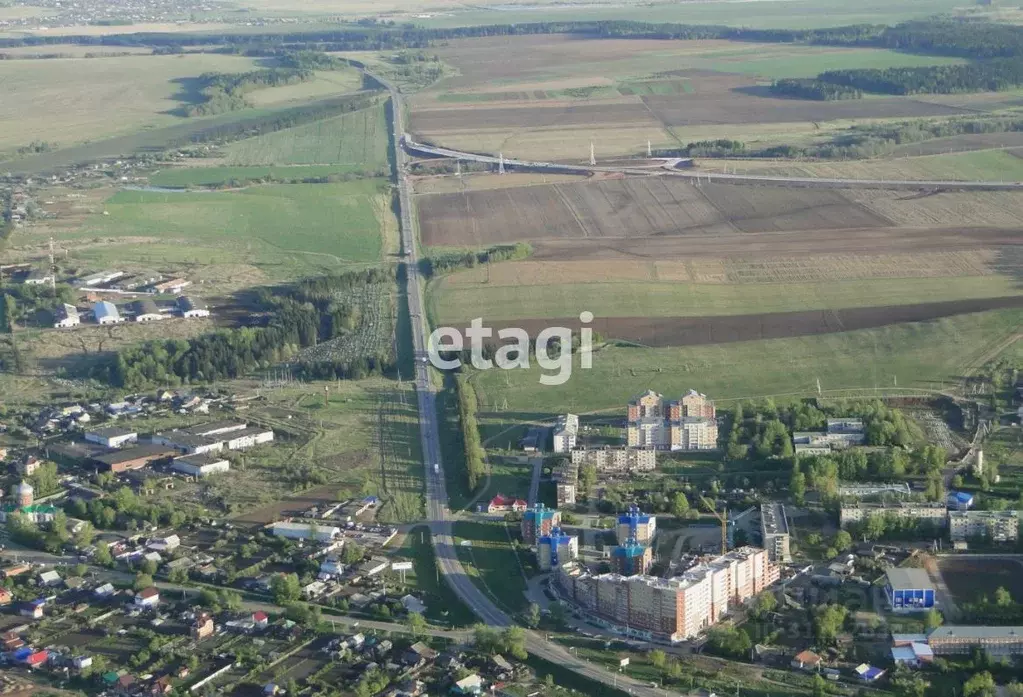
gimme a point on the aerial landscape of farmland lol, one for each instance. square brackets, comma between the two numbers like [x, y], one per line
[573, 347]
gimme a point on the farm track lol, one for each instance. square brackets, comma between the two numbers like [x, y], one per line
[696, 331]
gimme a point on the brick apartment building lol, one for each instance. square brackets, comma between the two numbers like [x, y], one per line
[677, 608]
[689, 423]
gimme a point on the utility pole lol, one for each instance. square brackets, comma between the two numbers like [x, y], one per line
[500, 163]
[649, 150]
[593, 155]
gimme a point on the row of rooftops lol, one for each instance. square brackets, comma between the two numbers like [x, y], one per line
[687, 578]
[772, 515]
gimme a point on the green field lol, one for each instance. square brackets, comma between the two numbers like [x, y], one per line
[358, 140]
[258, 223]
[69, 101]
[209, 176]
[980, 165]
[452, 303]
[442, 605]
[931, 355]
[492, 562]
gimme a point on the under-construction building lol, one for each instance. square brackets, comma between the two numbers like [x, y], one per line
[538, 521]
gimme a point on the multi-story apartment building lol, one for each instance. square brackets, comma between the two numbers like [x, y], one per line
[687, 424]
[566, 494]
[677, 608]
[566, 430]
[631, 559]
[555, 549]
[538, 521]
[858, 512]
[774, 528]
[636, 526]
[998, 526]
[615, 460]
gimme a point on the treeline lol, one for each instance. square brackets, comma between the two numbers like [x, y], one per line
[808, 88]
[945, 37]
[223, 92]
[992, 75]
[860, 141]
[431, 266]
[260, 125]
[312, 60]
[300, 316]
[474, 454]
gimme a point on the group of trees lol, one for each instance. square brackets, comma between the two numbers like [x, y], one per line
[470, 432]
[32, 304]
[299, 317]
[125, 510]
[431, 266]
[809, 88]
[223, 92]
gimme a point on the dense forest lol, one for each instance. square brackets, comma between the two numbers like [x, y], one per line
[297, 316]
[993, 75]
[223, 92]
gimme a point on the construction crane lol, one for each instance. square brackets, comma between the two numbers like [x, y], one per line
[723, 517]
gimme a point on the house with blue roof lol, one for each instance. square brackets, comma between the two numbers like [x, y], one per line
[960, 501]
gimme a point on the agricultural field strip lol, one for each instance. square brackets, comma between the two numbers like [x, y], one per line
[452, 303]
[631, 207]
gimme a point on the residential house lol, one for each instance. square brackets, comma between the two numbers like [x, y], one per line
[260, 620]
[33, 609]
[503, 504]
[807, 660]
[147, 598]
[49, 578]
[104, 591]
[202, 627]
[418, 654]
[80, 663]
[5, 597]
[469, 685]
[164, 544]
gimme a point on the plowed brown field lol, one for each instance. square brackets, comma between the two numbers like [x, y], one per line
[694, 331]
[650, 207]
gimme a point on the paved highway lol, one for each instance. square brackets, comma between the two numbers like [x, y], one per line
[436, 493]
[814, 182]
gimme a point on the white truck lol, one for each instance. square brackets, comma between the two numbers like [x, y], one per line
[436, 468]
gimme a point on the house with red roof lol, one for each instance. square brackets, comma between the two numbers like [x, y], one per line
[505, 504]
[260, 619]
[148, 597]
[5, 596]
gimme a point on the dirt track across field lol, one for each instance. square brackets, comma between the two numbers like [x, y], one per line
[695, 331]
